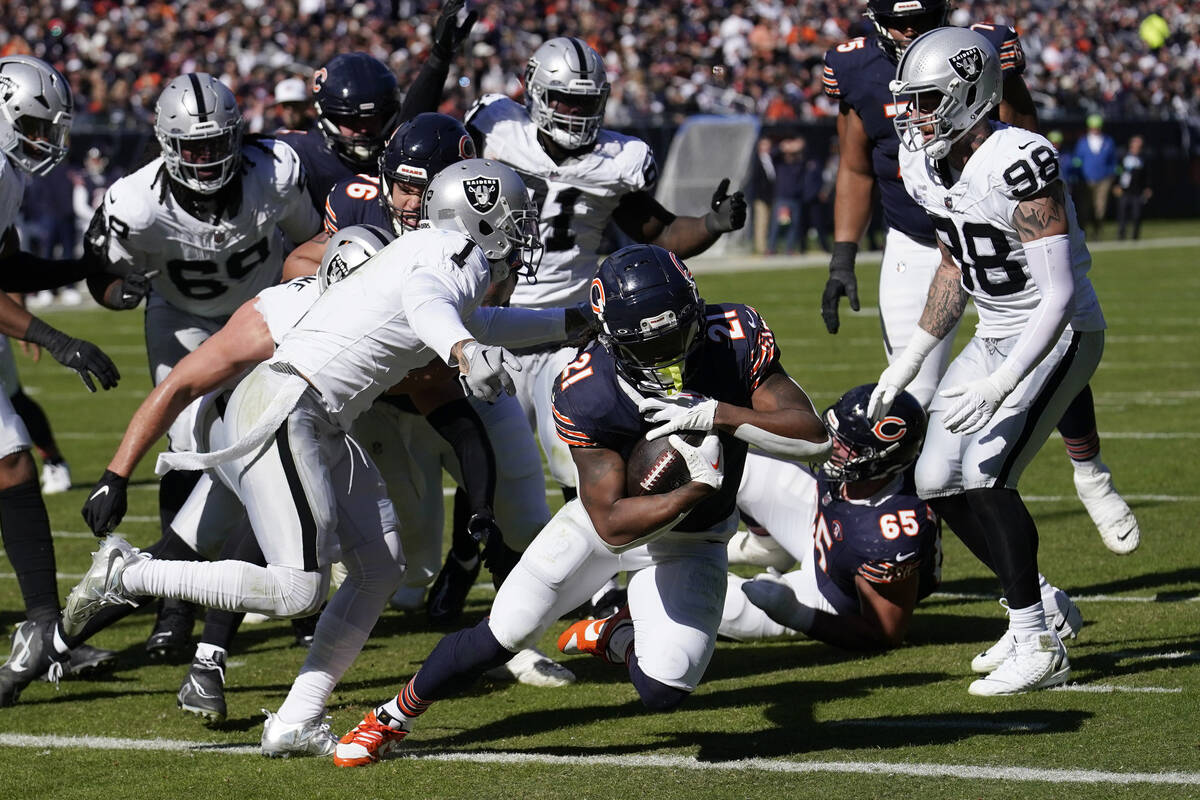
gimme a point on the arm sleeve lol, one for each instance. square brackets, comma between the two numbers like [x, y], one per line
[25, 272]
[517, 327]
[425, 94]
[1049, 261]
[458, 424]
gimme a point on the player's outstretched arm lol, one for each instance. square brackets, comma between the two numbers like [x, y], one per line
[885, 610]
[305, 258]
[851, 214]
[1017, 108]
[620, 520]
[646, 221]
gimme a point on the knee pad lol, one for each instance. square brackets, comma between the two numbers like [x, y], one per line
[296, 593]
[655, 695]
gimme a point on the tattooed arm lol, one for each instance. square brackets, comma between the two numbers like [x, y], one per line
[620, 520]
[1042, 214]
[946, 299]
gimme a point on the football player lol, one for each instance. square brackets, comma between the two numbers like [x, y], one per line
[286, 425]
[35, 122]
[200, 230]
[583, 177]
[655, 332]
[856, 74]
[1010, 240]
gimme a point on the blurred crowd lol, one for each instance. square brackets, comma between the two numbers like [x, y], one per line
[668, 59]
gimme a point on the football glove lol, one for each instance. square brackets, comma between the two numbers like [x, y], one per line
[134, 287]
[900, 373]
[705, 462]
[680, 412]
[841, 283]
[497, 556]
[977, 402]
[447, 33]
[487, 371]
[106, 505]
[84, 357]
[728, 210]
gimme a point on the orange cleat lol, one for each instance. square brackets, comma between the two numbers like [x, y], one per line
[367, 742]
[593, 636]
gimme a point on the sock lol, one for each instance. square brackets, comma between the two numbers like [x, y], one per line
[1078, 428]
[620, 644]
[457, 661]
[401, 710]
[173, 491]
[25, 529]
[1028, 620]
[206, 650]
[221, 626]
[60, 640]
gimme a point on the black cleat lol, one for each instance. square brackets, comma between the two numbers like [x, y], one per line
[171, 639]
[32, 656]
[305, 627]
[86, 660]
[448, 594]
[203, 689]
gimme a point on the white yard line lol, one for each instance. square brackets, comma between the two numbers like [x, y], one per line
[1087, 598]
[957, 724]
[1101, 688]
[922, 770]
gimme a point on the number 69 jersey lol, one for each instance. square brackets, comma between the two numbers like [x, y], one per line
[973, 217]
[576, 198]
[208, 267]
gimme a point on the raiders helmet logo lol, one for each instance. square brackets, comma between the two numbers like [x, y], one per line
[968, 63]
[7, 88]
[482, 193]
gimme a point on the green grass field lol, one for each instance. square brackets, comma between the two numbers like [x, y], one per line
[774, 719]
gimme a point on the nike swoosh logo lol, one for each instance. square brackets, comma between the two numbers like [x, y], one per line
[592, 632]
[716, 464]
[1124, 536]
[905, 556]
[103, 490]
[1023, 146]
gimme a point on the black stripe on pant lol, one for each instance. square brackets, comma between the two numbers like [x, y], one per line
[308, 525]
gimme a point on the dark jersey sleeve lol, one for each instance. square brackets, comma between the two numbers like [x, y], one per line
[590, 410]
[739, 342]
[425, 94]
[354, 201]
[1007, 44]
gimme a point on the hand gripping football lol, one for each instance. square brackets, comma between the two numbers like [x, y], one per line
[655, 467]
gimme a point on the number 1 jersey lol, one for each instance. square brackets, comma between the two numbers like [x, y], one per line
[973, 219]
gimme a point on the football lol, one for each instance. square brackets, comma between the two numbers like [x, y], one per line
[655, 467]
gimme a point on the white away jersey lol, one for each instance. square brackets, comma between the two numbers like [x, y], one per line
[283, 305]
[209, 269]
[973, 219]
[12, 191]
[404, 307]
[576, 198]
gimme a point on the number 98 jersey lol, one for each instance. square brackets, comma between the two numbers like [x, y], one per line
[206, 267]
[973, 217]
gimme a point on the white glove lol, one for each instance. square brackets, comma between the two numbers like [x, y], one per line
[977, 402]
[680, 412]
[487, 371]
[900, 373]
[777, 598]
[705, 463]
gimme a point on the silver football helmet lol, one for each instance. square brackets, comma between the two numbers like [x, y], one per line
[348, 249]
[35, 113]
[950, 80]
[566, 88]
[488, 202]
[199, 126]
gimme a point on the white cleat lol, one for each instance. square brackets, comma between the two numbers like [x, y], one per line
[284, 740]
[56, 478]
[408, 598]
[533, 668]
[101, 585]
[1063, 616]
[1112, 516]
[1036, 662]
[758, 551]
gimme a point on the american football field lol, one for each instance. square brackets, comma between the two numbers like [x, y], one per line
[774, 719]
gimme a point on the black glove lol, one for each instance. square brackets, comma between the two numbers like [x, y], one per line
[841, 283]
[83, 357]
[447, 33]
[134, 287]
[580, 322]
[106, 505]
[497, 556]
[728, 210]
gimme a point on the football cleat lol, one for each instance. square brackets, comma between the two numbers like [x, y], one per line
[171, 639]
[56, 478]
[101, 584]
[203, 690]
[85, 660]
[758, 551]
[284, 740]
[1036, 662]
[367, 742]
[1112, 516]
[32, 656]
[1062, 616]
[533, 668]
[408, 598]
[304, 628]
[448, 594]
[593, 636]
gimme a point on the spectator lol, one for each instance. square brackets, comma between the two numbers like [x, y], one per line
[1132, 190]
[293, 111]
[47, 228]
[762, 192]
[789, 208]
[1096, 162]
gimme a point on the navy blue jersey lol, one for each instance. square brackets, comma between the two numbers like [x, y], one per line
[323, 166]
[355, 201]
[737, 353]
[857, 73]
[884, 539]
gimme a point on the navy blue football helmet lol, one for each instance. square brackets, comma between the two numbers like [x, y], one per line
[418, 150]
[865, 450]
[648, 314]
[359, 92]
[921, 15]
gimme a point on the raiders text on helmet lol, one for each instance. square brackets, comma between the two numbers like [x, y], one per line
[950, 79]
[35, 113]
[566, 88]
[347, 250]
[199, 126]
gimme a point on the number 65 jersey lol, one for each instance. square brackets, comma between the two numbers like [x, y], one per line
[972, 218]
[208, 267]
